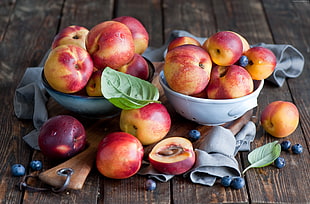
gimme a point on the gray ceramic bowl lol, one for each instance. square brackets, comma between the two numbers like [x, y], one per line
[210, 111]
[94, 107]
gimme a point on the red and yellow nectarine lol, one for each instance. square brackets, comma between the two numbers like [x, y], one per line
[119, 155]
[280, 118]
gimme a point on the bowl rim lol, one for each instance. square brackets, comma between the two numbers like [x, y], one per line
[165, 85]
[47, 86]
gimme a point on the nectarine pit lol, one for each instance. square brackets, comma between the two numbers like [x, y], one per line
[172, 150]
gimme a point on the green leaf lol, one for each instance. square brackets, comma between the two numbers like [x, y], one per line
[264, 155]
[126, 91]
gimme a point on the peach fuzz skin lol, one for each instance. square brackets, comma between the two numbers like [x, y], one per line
[68, 68]
[173, 164]
[184, 40]
[262, 62]
[245, 44]
[229, 82]
[187, 69]
[149, 124]
[137, 67]
[110, 44]
[280, 118]
[139, 33]
[71, 35]
[93, 86]
[224, 47]
[119, 155]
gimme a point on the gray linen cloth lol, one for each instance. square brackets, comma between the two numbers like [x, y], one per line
[215, 157]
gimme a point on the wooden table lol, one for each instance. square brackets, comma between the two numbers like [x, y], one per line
[27, 28]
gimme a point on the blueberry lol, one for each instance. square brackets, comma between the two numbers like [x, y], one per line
[150, 185]
[279, 162]
[285, 145]
[243, 61]
[237, 183]
[36, 165]
[297, 149]
[226, 181]
[18, 170]
[194, 135]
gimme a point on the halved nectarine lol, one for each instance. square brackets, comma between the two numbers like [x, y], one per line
[173, 155]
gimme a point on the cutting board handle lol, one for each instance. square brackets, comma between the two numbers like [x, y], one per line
[81, 165]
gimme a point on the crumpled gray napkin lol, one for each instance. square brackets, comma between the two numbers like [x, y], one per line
[215, 157]
[30, 103]
[290, 61]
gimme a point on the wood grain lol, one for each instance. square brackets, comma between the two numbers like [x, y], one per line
[27, 29]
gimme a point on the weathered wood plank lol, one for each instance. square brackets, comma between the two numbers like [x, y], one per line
[289, 23]
[267, 184]
[196, 17]
[6, 11]
[149, 13]
[199, 19]
[87, 14]
[132, 190]
[23, 45]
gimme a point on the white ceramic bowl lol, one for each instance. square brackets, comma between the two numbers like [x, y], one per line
[210, 111]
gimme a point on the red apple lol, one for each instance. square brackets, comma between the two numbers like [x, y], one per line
[183, 40]
[68, 68]
[187, 69]
[224, 47]
[262, 62]
[61, 137]
[110, 44]
[139, 33]
[119, 155]
[137, 67]
[93, 87]
[71, 35]
[280, 118]
[173, 155]
[229, 82]
[149, 124]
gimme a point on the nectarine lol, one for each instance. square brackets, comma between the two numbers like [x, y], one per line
[119, 155]
[280, 118]
[173, 155]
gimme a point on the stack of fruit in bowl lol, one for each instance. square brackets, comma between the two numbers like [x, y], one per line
[73, 68]
[215, 82]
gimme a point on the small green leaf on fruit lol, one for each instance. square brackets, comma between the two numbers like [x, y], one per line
[264, 155]
[126, 91]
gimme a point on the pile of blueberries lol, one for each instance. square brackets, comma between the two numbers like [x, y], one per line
[285, 146]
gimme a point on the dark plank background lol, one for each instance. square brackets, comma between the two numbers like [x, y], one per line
[27, 28]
